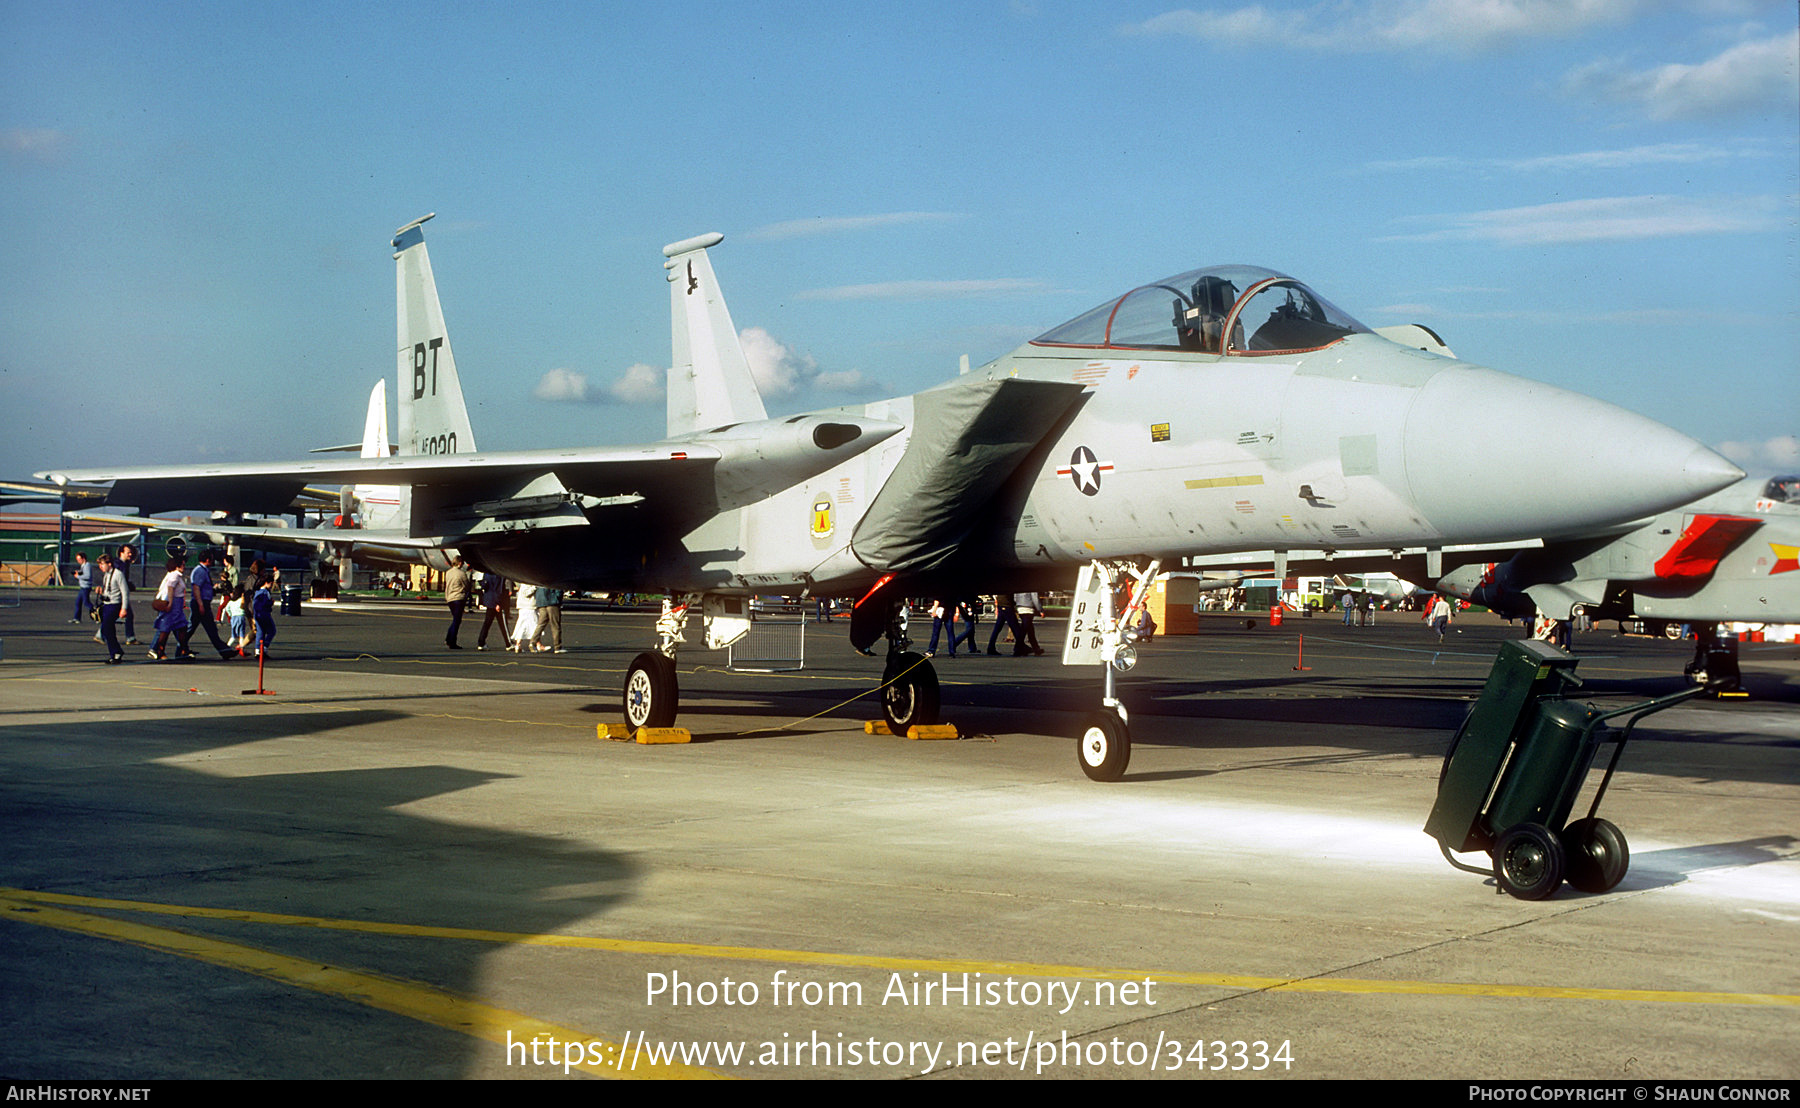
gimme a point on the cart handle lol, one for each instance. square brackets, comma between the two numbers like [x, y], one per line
[1642, 710]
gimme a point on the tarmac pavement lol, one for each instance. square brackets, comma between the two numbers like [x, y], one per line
[413, 862]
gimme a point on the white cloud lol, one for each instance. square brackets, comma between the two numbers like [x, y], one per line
[1390, 25]
[1758, 75]
[1254, 25]
[562, 385]
[36, 145]
[1607, 218]
[1632, 157]
[1406, 311]
[924, 290]
[1639, 318]
[1781, 452]
[1667, 153]
[780, 370]
[639, 384]
[853, 381]
[823, 225]
[1478, 24]
[777, 368]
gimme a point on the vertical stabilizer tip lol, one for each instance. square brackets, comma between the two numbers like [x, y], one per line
[688, 246]
[410, 235]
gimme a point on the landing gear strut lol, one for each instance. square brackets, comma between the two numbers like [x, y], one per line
[909, 684]
[1096, 635]
[1715, 661]
[652, 692]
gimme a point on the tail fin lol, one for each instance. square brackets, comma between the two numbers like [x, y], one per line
[433, 417]
[709, 379]
[380, 506]
[375, 426]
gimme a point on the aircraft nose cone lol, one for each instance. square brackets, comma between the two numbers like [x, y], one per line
[1505, 458]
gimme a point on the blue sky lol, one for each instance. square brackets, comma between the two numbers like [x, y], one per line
[196, 199]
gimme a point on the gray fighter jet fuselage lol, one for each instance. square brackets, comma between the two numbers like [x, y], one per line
[1121, 434]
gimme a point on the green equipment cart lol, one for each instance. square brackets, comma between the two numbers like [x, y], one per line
[1515, 768]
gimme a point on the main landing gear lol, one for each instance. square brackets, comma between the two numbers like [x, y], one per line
[909, 691]
[652, 692]
[909, 684]
[1715, 661]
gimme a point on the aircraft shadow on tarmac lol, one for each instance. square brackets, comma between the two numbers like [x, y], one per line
[96, 809]
[1662, 868]
[1303, 761]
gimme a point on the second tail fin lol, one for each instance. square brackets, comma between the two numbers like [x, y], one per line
[709, 378]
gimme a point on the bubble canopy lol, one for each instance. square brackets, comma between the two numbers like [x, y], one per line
[1228, 309]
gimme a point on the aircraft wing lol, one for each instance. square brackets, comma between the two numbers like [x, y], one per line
[116, 536]
[24, 492]
[456, 496]
[271, 486]
[279, 536]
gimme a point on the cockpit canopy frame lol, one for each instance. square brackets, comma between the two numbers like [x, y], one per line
[1209, 311]
[1783, 488]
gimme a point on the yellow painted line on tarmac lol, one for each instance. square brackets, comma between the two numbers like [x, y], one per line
[1342, 985]
[412, 999]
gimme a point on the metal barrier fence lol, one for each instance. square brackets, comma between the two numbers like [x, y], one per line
[776, 642]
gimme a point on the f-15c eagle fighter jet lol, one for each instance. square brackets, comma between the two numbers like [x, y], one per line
[1224, 409]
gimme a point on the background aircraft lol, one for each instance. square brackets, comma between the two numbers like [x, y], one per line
[372, 521]
[1220, 410]
[347, 515]
[1732, 557]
